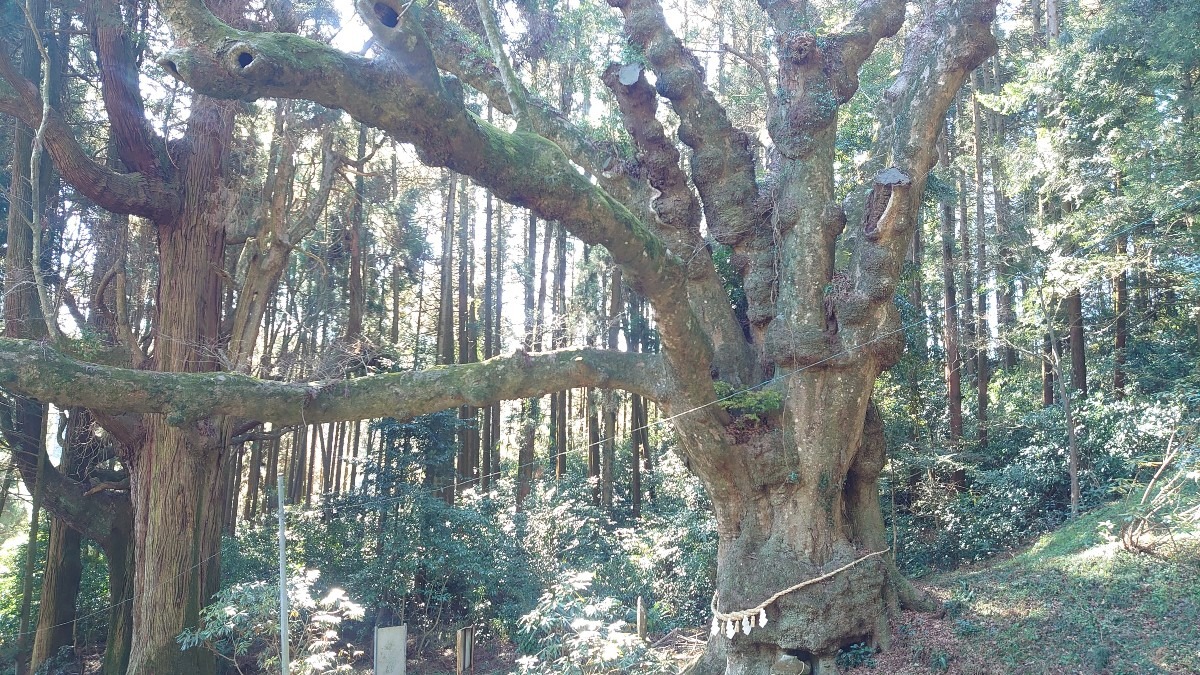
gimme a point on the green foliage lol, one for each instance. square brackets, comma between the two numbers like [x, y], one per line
[408, 556]
[750, 404]
[241, 625]
[858, 654]
[1168, 503]
[573, 632]
[93, 600]
[1021, 486]
[11, 566]
[63, 662]
[732, 281]
[965, 627]
[668, 556]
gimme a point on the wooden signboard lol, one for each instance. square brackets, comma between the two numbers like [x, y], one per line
[466, 650]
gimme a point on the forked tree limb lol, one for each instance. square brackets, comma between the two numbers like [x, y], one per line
[131, 193]
[722, 161]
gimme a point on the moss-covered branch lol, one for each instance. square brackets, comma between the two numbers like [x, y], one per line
[457, 52]
[405, 96]
[35, 370]
[853, 44]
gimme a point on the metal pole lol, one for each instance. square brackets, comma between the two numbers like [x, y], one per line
[283, 597]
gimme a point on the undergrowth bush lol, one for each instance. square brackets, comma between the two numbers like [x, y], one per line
[241, 625]
[408, 557]
[573, 632]
[1021, 486]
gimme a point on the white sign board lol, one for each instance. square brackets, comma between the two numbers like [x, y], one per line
[391, 650]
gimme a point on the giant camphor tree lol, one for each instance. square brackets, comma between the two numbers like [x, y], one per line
[794, 487]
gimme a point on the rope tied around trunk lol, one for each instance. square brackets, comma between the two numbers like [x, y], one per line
[747, 619]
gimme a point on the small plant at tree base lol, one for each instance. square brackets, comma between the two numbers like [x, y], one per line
[966, 627]
[939, 661]
[242, 626]
[858, 654]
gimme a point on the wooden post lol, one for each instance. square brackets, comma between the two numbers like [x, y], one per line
[641, 618]
[466, 649]
[391, 650]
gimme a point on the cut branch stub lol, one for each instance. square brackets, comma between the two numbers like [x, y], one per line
[881, 214]
[675, 205]
[722, 162]
[401, 33]
[628, 74]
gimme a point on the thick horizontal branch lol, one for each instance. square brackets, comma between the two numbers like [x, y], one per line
[412, 104]
[35, 370]
[405, 96]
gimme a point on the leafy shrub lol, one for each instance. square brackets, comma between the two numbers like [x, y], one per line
[966, 627]
[401, 551]
[668, 556]
[1020, 487]
[571, 632]
[241, 625]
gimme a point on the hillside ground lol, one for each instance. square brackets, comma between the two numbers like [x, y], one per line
[1075, 601]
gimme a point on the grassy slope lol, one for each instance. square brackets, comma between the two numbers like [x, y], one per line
[1073, 602]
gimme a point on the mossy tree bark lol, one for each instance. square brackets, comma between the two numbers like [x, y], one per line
[793, 484]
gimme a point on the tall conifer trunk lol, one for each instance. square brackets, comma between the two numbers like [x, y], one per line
[1074, 307]
[529, 406]
[982, 332]
[176, 485]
